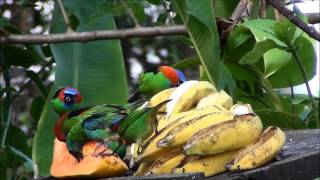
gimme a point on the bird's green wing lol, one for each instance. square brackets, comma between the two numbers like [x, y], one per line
[130, 119]
[75, 140]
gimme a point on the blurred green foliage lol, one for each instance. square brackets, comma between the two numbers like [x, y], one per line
[250, 61]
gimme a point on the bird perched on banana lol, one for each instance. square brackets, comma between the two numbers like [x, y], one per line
[202, 130]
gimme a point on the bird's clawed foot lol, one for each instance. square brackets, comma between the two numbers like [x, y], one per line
[77, 155]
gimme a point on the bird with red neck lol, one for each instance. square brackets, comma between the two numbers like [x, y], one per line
[66, 100]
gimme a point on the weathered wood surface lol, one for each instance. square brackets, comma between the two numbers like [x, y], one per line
[299, 159]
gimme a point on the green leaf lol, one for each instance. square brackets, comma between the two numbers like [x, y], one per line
[274, 60]
[95, 68]
[74, 21]
[262, 30]
[35, 78]
[16, 138]
[36, 108]
[198, 16]
[237, 37]
[16, 56]
[43, 140]
[290, 74]
[137, 9]
[224, 8]
[258, 51]
[286, 31]
[28, 162]
[226, 80]
[280, 119]
[155, 2]
[187, 63]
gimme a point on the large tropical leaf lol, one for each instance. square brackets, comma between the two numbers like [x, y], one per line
[278, 63]
[199, 18]
[95, 68]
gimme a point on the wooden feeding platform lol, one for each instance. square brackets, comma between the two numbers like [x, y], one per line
[299, 159]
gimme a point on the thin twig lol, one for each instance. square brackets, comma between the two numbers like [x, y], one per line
[295, 20]
[292, 98]
[131, 14]
[241, 7]
[95, 35]
[7, 102]
[65, 17]
[305, 79]
[262, 9]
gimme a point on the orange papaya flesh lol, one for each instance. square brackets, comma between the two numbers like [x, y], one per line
[92, 164]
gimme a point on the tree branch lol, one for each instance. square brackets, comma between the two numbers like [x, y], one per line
[95, 35]
[65, 17]
[295, 20]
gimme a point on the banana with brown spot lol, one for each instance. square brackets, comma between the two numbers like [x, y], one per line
[150, 151]
[166, 163]
[179, 135]
[225, 136]
[260, 152]
[210, 165]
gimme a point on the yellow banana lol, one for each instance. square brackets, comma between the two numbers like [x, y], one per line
[264, 149]
[150, 149]
[180, 134]
[225, 136]
[166, 163]
[160, 97]
[143, 168]
[210, 165]
[163, 122]
[220, 99]
[187, 96]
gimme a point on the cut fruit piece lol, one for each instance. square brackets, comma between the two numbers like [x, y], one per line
[92, 164]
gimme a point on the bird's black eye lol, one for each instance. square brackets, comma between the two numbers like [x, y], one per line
[69, 98]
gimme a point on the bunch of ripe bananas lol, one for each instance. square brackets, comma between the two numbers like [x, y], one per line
[200, 130]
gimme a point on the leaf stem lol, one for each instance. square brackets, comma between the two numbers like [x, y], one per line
[131, 14]
[65, 17]
[305, 79]
[268, 87]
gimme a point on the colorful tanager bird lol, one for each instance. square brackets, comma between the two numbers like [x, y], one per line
[112, 125]
[66, 100]
[150, 83]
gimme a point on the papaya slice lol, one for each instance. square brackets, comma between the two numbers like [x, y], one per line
[92, 164]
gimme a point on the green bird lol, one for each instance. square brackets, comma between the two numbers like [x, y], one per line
[140, 124]
[102, 122]
[150, 83]
[66, 99]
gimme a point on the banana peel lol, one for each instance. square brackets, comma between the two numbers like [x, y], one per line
[210, 165]
[187, 96]
[225, 136]
[260, 152]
